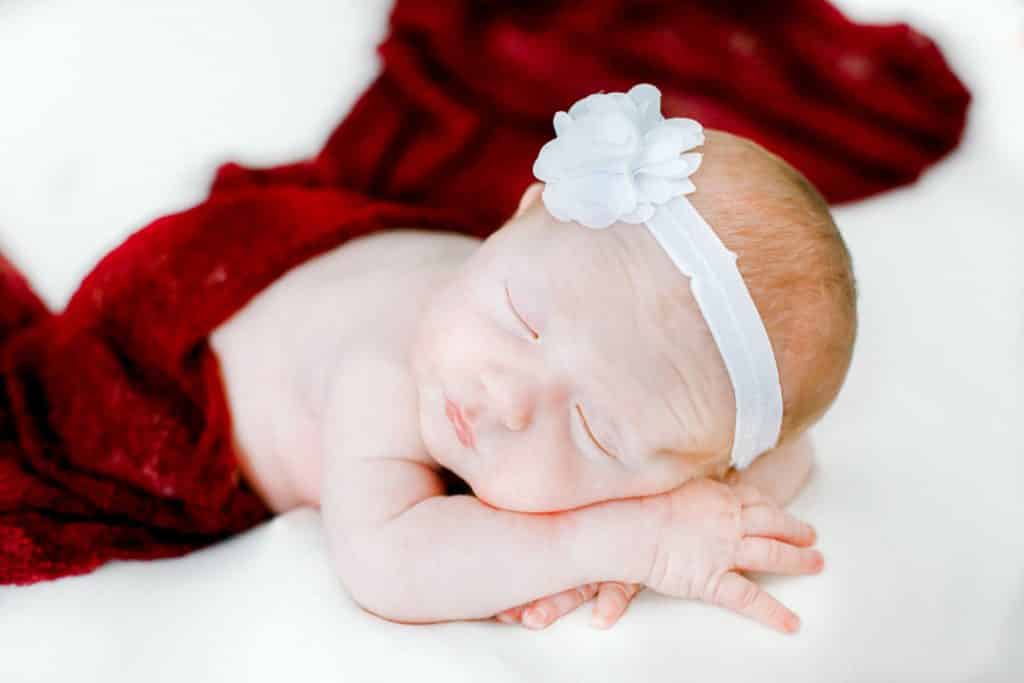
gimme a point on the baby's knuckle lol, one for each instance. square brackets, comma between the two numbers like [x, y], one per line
[748, 596]
[715, 593]
[620, 589]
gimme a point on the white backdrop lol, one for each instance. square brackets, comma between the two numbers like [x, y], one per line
[112, 113]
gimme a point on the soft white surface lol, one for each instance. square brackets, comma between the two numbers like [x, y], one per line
[112, 113]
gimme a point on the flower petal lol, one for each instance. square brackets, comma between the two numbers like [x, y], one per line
[584, 106]
[659, 190]
[664, 142]
[642, 213]
[617, 129]
[608, 198]
[557, 200]
[563, 122]
[692, 131]
[665, 138]
[694, 159]
[679, 167]
[551, 162]
[648, 103]
[596, 200]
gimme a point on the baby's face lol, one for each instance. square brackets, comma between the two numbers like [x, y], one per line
[575, 381]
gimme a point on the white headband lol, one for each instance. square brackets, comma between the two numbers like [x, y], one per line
[616, 158]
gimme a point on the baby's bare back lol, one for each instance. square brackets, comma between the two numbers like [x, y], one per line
[280, 353]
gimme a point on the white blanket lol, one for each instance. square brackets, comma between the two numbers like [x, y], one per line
[112, 113]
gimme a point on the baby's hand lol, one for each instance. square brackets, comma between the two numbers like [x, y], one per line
[711, 531]
[612, 599]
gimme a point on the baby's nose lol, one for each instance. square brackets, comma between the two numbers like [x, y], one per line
[513, 398]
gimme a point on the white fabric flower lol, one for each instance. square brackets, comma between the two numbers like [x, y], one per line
[616, 158]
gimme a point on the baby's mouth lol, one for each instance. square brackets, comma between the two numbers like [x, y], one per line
[462, 429]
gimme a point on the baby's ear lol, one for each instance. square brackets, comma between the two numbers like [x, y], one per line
[530, 195]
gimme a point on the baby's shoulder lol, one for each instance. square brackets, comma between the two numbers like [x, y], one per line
[371, 409]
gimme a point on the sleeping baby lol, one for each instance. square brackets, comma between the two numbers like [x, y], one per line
[608, 393]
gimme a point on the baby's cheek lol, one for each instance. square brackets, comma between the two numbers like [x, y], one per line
[453, 349]
[660, 477]
[520, 493]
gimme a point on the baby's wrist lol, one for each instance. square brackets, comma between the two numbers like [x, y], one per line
[614, 540]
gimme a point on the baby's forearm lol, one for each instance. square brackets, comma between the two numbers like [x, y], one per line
[453, 557]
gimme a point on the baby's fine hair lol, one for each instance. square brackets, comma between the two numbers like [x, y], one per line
[795, 263]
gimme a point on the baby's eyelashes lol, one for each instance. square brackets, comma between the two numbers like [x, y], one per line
[590, 434]
[508, 297]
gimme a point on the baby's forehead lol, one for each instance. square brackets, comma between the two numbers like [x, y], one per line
[618, 275]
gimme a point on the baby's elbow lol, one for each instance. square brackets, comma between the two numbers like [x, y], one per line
[373, 579]
[374, 602]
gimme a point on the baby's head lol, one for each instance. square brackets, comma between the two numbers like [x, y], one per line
[585, 369]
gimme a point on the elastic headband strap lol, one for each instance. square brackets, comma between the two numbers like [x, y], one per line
[615, 157]
[734, 321]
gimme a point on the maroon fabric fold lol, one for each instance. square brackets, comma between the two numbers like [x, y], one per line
[115, 436]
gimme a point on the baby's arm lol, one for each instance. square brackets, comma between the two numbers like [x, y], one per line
[781, 472]
[407, 552]
[778, 474]
[438, 558]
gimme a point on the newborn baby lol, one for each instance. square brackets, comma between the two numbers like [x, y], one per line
[509, 428]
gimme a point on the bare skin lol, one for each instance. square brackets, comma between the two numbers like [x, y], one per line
[778, 475]
[337, 377]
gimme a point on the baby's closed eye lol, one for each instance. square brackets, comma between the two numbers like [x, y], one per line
[590, 433]
[519, 316]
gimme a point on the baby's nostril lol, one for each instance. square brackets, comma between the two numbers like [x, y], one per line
[511, 397]
[517, 421]
[520, 412]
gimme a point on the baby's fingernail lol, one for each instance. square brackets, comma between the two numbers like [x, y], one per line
[819, 562]
[535, 617]
[792, 624]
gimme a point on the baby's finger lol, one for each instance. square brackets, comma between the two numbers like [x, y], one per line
[546, 610]
[775, 557]
[743, 596]
[771, 522]
[513, 615]
[613, 598]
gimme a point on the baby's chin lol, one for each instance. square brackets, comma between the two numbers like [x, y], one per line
[552, 496]
[531, 504]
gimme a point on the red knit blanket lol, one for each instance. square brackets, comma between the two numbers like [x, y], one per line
[114, 429]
